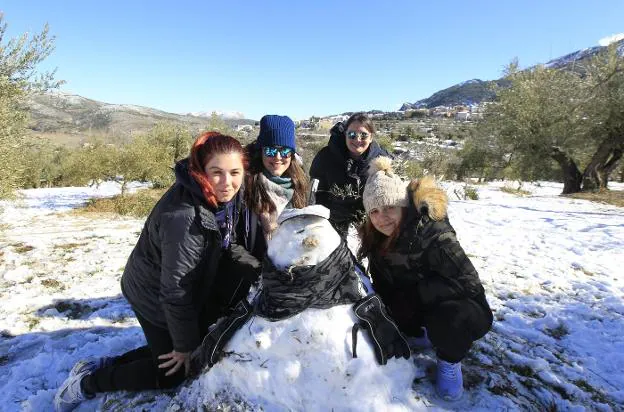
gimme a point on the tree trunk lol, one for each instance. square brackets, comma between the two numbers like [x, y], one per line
[616, 155]
[572, 177]
[594, 174]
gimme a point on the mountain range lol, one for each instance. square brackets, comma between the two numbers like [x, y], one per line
[58, 112]
[477, 91]
[71, 116]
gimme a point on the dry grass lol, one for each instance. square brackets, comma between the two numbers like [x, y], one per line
[52, 284]
[612, 197]
[137, 204]
[514, 191]
[21, 247]
[68, 246]
[61, 138]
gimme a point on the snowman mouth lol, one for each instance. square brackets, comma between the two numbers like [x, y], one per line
[309, 228]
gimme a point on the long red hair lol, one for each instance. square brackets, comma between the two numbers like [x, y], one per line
[206, 146]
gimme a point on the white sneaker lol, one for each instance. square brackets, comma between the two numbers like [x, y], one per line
[90, 365]
[70, 394]
[449, 380]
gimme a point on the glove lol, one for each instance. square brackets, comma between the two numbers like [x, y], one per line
[211, 348]
[388, 342]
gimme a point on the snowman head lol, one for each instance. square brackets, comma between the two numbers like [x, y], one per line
[304, 237]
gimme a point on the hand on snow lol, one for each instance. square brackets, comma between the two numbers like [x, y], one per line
[211, 348]
[388, 342]
[175, 360]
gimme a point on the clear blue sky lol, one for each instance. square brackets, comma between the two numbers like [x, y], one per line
[299, 58]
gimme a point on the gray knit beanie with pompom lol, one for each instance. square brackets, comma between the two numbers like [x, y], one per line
[383, 187]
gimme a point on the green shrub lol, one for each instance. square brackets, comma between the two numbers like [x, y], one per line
[471, 192]
[385, 141]
[408, 169]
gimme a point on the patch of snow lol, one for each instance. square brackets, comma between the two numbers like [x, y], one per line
[551, 267]
[605, 41]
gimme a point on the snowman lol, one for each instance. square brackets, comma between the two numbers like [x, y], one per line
[294, 348]
[307, 265]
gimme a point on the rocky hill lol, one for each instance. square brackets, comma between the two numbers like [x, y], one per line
[476, 90]
[63, 113]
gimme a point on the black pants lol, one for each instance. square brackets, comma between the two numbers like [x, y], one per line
[137, 369]
[452, 326]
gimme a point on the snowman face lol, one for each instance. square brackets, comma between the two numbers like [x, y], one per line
[302, 240]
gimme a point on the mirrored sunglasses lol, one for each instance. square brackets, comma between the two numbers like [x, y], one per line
[272, 151]
[353, 134]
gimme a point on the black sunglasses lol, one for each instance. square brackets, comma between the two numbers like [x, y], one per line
[353, 134]
[272, 151]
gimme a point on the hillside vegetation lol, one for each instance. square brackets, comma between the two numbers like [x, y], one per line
[561, 121]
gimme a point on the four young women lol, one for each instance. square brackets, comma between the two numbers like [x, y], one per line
[199, 251]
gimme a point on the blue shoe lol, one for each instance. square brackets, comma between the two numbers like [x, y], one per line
[449, 380]
[421, 342]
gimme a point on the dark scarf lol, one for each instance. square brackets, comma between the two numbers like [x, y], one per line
[224, 216]
[331, 282]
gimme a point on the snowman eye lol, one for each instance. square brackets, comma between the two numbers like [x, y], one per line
[300, 231]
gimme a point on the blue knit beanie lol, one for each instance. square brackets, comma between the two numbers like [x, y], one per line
[277, 131]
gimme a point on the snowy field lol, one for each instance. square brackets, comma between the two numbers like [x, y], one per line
[551, 266]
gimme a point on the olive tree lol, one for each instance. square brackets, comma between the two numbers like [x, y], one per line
[19, 59]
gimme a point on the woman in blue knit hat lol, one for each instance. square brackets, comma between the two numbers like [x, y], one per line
[275, 178]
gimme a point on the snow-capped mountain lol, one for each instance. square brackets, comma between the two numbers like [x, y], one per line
[71, 114]
[221, 114]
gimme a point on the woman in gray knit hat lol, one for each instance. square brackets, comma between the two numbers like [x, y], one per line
[420, 271]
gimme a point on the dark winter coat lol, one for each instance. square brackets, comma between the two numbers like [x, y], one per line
[331, 282]
[341, 178]
[426, 265]
[172, 276]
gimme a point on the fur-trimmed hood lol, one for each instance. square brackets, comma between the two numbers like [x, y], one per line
[428, 198]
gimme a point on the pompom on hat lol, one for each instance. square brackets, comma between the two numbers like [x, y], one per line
[383, 187]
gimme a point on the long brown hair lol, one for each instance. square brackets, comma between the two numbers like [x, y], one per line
[256, 195]
[205, 147]
[373, 241]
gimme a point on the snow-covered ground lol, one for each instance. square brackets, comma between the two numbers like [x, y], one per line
[551, 267]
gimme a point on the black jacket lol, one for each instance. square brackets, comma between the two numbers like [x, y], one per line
[341, 178]
[426, 265]
[172, 272]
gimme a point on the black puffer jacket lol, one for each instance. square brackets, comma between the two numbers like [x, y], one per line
[426, 265]
[171, 274]
[341, 178]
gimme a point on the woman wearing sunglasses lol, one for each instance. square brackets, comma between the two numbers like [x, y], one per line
[341, 166]
[275, 180]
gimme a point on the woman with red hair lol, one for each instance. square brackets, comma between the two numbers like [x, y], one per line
[186, 270]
